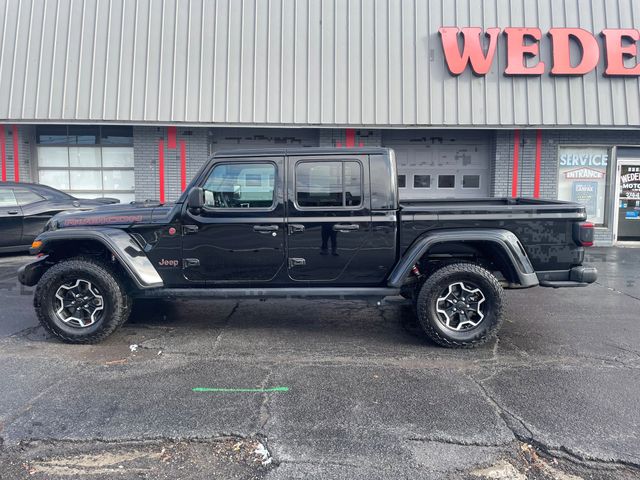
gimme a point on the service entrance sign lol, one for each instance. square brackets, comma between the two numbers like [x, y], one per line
[582, 178]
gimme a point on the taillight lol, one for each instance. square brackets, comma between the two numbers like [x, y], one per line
[583, 233]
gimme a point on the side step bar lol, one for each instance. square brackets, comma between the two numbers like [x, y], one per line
[293, 292]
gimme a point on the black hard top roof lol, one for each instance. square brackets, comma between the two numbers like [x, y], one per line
[301, 151]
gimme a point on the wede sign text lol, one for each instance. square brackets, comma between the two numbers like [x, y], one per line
[524, 43]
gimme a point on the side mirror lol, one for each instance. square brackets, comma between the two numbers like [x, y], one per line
[195, 200]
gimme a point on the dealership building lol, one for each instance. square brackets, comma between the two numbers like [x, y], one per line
[478, 98]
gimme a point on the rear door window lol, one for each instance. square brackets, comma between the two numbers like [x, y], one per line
[328, 184]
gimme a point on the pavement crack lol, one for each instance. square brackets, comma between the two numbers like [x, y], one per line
[29, 404]
[458, 442]
[320, 462]
[25, 332]
[227, 321]
[524, 434]
[617, 291]
[265, 413]
[515, 424]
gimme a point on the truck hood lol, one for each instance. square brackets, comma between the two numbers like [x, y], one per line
[121, 215]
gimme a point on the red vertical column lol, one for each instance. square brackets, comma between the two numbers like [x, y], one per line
[536, 179]
[172, 133]
[161, 168]
[3, 152]
[16, 154]
[183, 165]
[350, 138]
[516, 162]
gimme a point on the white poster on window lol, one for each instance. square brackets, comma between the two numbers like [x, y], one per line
[582, 178]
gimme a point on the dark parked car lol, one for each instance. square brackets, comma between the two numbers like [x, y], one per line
[306, 223]
[25, 208]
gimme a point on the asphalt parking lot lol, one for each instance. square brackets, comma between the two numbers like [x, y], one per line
[330, 390]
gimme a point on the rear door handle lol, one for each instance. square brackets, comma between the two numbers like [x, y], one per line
[13, 212]
[346, 228]
[266, 228]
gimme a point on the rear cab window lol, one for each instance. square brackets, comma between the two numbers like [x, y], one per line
[328, 184]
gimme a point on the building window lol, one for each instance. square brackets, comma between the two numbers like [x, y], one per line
[402, 181]
[87, 161]
[583, 178]
[446, 181]
[241, 185]
[329, 184]
[471, 181]
[422, 181]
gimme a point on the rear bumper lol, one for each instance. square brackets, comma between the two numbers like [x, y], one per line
[576, 277]
[31, 273]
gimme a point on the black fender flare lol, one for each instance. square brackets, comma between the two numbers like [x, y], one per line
[121, 245]
[504, 239]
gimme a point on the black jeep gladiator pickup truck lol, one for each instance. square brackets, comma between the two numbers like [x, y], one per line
[306, 222]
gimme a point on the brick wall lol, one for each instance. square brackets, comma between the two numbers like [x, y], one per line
[146, 146]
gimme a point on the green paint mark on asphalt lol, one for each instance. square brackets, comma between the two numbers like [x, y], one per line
[241, 390]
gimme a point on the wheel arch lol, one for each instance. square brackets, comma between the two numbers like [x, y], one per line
[65, 243]
[501, 246]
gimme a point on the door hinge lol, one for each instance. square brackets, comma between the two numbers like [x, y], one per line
[190, 263]
[297, 262]
[187, 229]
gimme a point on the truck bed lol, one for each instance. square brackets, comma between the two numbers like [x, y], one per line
[544, 227]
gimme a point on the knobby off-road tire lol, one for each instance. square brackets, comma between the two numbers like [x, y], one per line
[85, 282]
[460, 305]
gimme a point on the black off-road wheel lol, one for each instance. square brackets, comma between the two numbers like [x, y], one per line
[460, 305]
[81, 300]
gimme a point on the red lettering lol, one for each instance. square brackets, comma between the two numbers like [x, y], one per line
[561, 45]
[472, 51]
[617, 52]
[518, 51]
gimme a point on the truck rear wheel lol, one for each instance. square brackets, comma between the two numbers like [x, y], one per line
[460, 305]
[81, 300]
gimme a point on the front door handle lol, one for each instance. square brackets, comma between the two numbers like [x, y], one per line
[346, 228]
[13, 212]
[266, 228]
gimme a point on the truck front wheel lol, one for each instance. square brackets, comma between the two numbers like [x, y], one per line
[460, 305]
[81, 300]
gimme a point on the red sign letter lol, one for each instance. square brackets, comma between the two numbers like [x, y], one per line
[472, 51]
[561, 47]
[518, 51]
[616, 52]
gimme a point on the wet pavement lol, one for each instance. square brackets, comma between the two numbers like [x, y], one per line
[332, 389]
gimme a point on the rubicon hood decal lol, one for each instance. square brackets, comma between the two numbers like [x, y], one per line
[102, 220]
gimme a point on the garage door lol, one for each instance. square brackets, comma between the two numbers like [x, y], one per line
[87, 161]
[438, 165]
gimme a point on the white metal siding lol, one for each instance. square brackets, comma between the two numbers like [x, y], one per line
[294, 62]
